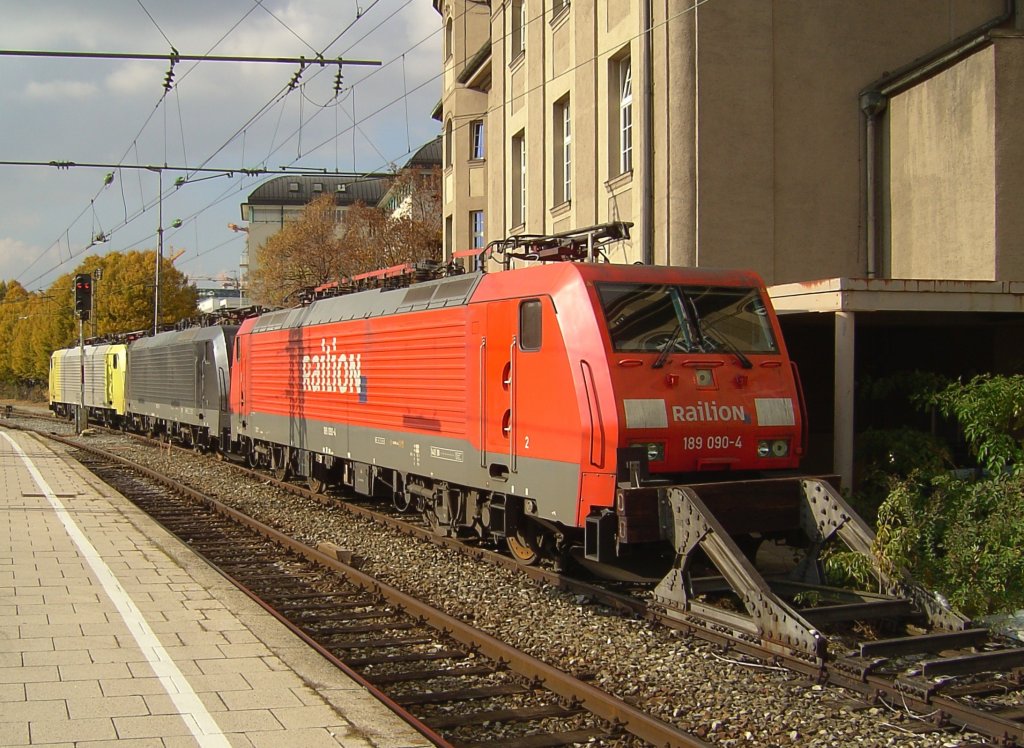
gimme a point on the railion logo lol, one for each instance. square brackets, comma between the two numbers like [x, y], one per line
[704, 411]
[330, 371]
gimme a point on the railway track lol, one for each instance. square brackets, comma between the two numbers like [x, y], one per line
[967, 679]
[970, 678]
[450, 680]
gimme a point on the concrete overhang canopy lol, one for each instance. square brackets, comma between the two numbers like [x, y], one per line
[887, 295]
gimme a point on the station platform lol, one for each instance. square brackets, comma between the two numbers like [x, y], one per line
[112, 632]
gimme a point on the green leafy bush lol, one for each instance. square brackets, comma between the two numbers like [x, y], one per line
[962, 538]
[887, 454]
[990, 410]
[847, 569]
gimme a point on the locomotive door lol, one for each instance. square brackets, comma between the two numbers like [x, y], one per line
[241, 379]
[497, 391]
[513, 329]
[109, 382]
[199, 356]
[207, 367]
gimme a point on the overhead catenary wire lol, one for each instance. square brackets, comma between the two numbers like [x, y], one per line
[290, 30]
[157, 25]
[153, 202]
[135, 142]
[359, 15]
[174, 56]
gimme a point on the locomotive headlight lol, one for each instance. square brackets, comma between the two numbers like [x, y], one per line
[772, 448]
[655, 451]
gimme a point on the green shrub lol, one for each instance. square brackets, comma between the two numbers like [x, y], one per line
[847, 569]
[964, 539]
[990, 411]
[961, 538]
[887, 454]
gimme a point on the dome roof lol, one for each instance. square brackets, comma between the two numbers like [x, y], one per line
[299, 189]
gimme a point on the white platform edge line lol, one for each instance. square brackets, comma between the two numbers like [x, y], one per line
[191, 709]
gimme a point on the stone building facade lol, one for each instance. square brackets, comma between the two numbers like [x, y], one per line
[868, 154]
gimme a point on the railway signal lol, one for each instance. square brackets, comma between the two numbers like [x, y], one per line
[83, 296]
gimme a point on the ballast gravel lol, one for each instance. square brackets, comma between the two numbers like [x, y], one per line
[682, 680]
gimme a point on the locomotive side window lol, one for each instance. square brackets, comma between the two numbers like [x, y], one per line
[530, 325]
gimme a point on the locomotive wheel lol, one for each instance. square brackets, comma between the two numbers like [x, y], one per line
[521, 547]
[316, 485]
[282, 464]
[402, 501]
[434, 523]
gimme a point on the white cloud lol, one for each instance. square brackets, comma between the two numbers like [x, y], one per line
[60, 90]
[134, 78]
[15, 255]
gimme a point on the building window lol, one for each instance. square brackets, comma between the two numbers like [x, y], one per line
[476, 228]
[476, 139]
[519, 179]
[448, 238]
[318, 187]
[448, 143]
[293, 186]
[448, 38]
[518, 28]
[625, 130]
[562, 152]
[557, 6]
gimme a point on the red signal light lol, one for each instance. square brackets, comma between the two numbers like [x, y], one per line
[83, 295]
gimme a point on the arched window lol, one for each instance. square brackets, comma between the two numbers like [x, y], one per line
[448, 143]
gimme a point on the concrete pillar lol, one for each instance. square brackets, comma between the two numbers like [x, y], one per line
[842, 455]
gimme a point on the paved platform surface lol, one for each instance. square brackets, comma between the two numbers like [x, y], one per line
[113, 633]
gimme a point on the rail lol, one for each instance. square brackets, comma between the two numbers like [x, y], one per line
[600, 703]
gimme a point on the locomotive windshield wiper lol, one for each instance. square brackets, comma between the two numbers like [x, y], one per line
[667, 347]
[710, 340]
[724, 342]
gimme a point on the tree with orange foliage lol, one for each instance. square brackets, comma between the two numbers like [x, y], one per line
[316, 249]
[303, 254]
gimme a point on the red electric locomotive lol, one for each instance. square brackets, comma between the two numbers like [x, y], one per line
[617, 415]
[522, 405]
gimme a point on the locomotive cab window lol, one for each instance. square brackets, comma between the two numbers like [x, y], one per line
[647, 317]
[530, 325]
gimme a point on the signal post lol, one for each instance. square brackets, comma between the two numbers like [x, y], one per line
[83, 306]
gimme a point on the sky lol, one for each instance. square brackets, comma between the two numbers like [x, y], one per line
[221, 116]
